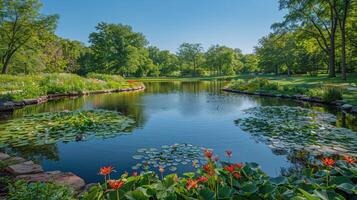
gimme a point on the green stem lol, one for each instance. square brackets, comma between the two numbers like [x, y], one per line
[118, 198]
[231, 181]
[105, 181]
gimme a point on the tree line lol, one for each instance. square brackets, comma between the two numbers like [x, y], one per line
[315, 36]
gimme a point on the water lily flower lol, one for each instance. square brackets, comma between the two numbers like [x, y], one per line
[191, 184]
[237, 175]
[229, 168]
[194, 163]
[106, 170]
[115, 184]
[202, 179]
[349, 159]
[229, 153]
[329, 162]
[208, 154]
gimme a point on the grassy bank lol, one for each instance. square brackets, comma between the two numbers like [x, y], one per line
[21, 87]
[319, 86]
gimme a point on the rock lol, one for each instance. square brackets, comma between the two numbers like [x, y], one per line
[24, 168]
[30, 101]
[346, 107]
[354, 110]
[338, 102]
[4, 156]
[62, 178]
[15, 160]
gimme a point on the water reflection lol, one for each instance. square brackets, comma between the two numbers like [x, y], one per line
[198, 113]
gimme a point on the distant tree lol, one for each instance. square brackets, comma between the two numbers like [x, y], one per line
[21, 26]
[250, 63]
[166, 62]
[191, 54]
[116, 48]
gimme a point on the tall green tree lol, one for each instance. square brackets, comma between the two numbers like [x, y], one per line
[223, 60]
[191, 54]
[21, 25]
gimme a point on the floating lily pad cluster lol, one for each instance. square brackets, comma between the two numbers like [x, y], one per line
[66, 126]
[286, 128]
[170, 157]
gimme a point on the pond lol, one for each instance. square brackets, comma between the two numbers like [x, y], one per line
[178, 118]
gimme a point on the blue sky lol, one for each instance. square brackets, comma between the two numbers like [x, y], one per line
[168, 23]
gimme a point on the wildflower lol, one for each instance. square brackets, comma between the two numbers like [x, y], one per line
[329, 162]
[349, 159]
[229, 153]
[229, 168]
[208, 154]
[208, 169]
[134, 173]
[202, 179]
[238, 165]
[195, 163]
[115, 184]
[216, 158]
[237, 175]
[161, 170]
[191, 184]
[106, 170]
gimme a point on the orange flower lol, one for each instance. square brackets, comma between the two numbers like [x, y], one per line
[208, 154]
[229, 168]
[191, 184]
[115, 184]
[105, 170]
[161, 170]
[329, 162]
[349, 159]
[229, 153]
[208, 169]
[236, 175]
[202, 179]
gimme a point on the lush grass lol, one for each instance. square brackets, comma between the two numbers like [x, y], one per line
[31, 86]
[320, 85]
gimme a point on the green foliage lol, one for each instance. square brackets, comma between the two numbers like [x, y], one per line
[39, 191]
[244, 181]
[24, 87]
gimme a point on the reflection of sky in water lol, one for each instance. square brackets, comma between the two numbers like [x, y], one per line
[166, 113]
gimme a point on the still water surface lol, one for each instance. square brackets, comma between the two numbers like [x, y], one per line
[197, 113]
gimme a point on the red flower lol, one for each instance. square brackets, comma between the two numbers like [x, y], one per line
[191, 184]
[208, 169]
[229, 168]
[208, 154]
[115, 184]
[238, 165]
[216, 158]
[202, 179]
[229, 153]
[134, 173]
[105, 170]
[329, 162]
[349, 159]
[236, 175]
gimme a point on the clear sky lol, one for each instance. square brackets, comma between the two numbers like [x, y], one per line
[168, 23]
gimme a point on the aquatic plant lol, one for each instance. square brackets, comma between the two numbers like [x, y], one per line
[170, 157]
[295, 128]
[336, 180]
[49, 128]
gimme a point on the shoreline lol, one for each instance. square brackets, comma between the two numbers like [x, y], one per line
[13, 105]
[340, 104]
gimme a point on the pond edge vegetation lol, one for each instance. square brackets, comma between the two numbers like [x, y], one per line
[57, 86]
[255, 87]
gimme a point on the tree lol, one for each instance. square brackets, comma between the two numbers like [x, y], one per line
[116, 48]
[21, 24]
[191, 54]
[317, 18]
[250, 63]
[166, 62]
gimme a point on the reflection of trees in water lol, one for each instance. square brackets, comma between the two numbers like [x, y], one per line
[184, 87]
[36, 153]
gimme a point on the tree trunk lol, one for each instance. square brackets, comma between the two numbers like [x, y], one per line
[5, 66]
[343, 51]
[332, 58]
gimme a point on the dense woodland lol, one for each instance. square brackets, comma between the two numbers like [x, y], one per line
[315, 36]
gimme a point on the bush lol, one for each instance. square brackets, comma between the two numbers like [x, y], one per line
[327, 94]
[39, 191]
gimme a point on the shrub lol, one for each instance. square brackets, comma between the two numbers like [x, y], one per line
[327, 94]
[39, 191]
